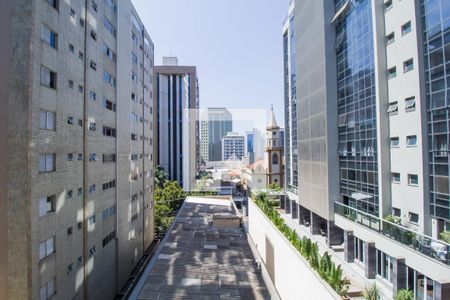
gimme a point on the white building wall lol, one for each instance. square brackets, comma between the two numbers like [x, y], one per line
[405, 159]
[293, 278]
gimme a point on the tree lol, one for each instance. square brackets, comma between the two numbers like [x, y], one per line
[160, 176]
[168, 198]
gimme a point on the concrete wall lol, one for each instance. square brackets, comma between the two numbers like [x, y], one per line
[290, 272]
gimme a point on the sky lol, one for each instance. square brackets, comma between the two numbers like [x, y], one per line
[236, 46]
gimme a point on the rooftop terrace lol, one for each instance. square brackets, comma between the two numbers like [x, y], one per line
[197, 260]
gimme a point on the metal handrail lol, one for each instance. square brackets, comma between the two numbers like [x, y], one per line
[435, 249]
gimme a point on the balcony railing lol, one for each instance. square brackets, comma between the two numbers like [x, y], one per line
[292, 189]
[435, 249]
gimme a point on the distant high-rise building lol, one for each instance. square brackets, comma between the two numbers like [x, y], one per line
[249, 146]
[371, 106]
[177, 132]
[76, 197]
[233, 146]
[216, 122]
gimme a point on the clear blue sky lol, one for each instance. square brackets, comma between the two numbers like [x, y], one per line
[235, 44]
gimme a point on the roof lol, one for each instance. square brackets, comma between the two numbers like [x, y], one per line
[198, 261]
[272, 121]
[256, 164]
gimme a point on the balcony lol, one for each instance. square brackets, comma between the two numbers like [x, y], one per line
[436, 250]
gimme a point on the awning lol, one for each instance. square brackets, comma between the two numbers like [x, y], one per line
[360, 196]
[341, 11]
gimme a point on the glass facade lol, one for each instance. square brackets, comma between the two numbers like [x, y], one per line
[357, 107]
[436, 37]
[290, 96]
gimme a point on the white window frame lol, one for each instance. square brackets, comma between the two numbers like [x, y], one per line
[46, 248]
[47, 120]
[47, 162]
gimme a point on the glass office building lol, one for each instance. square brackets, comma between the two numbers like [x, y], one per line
[356, 107]
[436, 47]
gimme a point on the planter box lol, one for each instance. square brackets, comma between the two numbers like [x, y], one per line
[290, 273]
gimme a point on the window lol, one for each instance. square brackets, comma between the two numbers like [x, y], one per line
[70, 120]
[70, 194]
[80, 156]
[72, 13]
[81, 22]
[390, 38]
[133, 97]
[133, 76]
[410, 104]
[134, 197]
[413, 179]
[393, 108]
[91, 188]
[109, 105]
[395, 142]
[408, 65]
[396, 212]
[107, 158]
[94, 6]
[134, 137]
[46, 120]
[110, 211]
[134, 217]
[48, 78]
[93, 35]
[69, 230]
[109, 238]
[411, 141]
[47, 290]
[92, 157]
[108, 78]
[49, 36]
[134, 157]
[91, 220]
[275, 159]
[80, 191]
[413, 218]
[70, 156]
[71, 48]
[92, 126]
[69, 268]
[107, 24]
[92, 95]
[109, 185]
[134, 117]
[70, 84]
[392, 72]
[134, 57]
[395, 177]
[111, 4]
[47, 205]
[406, 28]
[92, 251]
[47, 162]
[93, 65]
[80, 88]
[46, 248]
[53, 3]
[109, 53]
[108, 131]
[80, 55]
[387, 5]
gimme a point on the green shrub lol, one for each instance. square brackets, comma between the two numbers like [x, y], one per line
[445, 236]
[310, 251]
[404, 295]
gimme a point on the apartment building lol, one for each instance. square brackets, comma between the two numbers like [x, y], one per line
[233, 146]
[216, 122]
[76, 198]
[371, 116]
[178, 128]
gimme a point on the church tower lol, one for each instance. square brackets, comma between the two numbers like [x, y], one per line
[274, 152]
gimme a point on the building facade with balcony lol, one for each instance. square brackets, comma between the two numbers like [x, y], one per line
[77, 174]
[372, 139]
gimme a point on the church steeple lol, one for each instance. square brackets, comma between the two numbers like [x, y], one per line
[272, 121]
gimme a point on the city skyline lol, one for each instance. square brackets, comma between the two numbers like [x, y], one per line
[219, 30]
